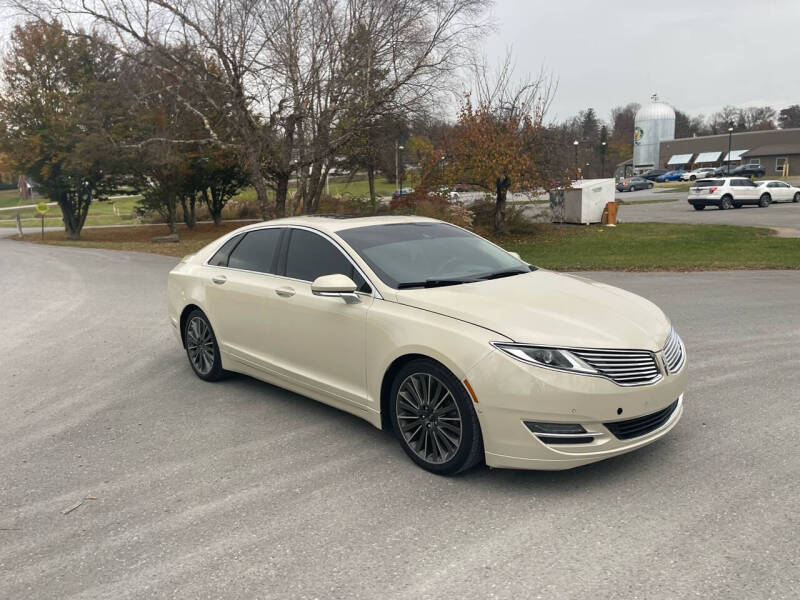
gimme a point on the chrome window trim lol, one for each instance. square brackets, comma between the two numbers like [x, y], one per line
[375, 293]
[600, 375]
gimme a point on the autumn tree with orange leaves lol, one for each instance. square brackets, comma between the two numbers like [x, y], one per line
[492, 151]
[499, 143]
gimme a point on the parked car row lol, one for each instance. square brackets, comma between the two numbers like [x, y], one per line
[724, 170]
[735, 192]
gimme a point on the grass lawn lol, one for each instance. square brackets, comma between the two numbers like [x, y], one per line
[655, 247]
[100, 213]
[338, 186]
[628, 247]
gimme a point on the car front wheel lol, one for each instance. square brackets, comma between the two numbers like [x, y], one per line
[796, 197]
[202, 348]
[433, 418]
[764, 201]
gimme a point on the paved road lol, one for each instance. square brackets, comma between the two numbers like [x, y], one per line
[785, 215]
[242, 490]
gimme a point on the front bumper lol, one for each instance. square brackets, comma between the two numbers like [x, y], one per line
[510, 392]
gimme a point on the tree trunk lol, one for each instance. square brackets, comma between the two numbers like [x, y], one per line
[500, 206]
[260, 185]
[187, 205]
[171, 213]
[74, 211]
[371, 180]
[214, 206]
[281, 191]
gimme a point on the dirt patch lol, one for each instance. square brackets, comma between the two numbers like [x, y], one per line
[138, 238]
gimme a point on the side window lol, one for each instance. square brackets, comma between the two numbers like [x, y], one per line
[220, 259]
[310, 256]
[257, 251]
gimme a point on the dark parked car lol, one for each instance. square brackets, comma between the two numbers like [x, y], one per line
[749, 171]
[631, 184]
[652, 174]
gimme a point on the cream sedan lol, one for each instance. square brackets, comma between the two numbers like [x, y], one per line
[461, 349]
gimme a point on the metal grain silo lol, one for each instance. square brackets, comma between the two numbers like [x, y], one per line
[653, 124]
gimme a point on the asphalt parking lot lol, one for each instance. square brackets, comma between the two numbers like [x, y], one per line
[783, 216]
[242, 490]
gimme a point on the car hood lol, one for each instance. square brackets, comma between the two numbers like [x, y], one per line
[547, 308]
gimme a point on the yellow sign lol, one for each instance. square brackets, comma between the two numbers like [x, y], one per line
[42, 208]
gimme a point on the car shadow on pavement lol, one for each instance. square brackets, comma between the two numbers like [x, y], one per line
[605, 473]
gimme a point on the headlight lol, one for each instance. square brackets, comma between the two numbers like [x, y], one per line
[552, 358]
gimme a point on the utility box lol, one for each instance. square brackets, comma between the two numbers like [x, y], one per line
[584, 203]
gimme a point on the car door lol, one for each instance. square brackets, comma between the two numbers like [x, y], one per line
[751, 189]
[319, 341]
[782, 191]
[241, 298]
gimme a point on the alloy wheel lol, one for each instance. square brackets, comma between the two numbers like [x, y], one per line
[200, 345]
[429, 418]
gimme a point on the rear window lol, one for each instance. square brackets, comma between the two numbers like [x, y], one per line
[257, 251]
[708, 183]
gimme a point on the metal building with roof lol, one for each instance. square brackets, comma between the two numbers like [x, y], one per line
[770, 149]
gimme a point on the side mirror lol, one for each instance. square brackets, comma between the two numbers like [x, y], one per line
[515, 255]
[335, 285]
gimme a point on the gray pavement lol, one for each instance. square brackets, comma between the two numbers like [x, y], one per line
[242, 490]
[784, 216]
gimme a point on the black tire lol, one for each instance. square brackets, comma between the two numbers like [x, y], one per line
[650, 185]
[458, 457]
[692, 177]
[796, 197]
[725, 203]
[699, 206]
[202, 349]
[764, 201]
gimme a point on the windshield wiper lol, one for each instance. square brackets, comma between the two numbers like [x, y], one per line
[509, 273]
[429, 283]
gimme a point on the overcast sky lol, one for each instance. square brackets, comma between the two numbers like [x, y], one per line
[697, 55]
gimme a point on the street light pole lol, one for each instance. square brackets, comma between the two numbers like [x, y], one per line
[396, 172]
[603, 152]
[730, 135]
[575, 143]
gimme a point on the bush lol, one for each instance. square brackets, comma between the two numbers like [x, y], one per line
[516, 220]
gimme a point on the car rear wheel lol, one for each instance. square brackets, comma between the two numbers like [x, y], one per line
[764, 201]
[725, 203]
[202, 348]
[699, 206]
[433, 418]
[650, 185]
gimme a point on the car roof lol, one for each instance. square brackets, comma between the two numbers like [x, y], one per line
[334, 223]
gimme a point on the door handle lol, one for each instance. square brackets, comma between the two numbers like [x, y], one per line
[219, 279]
[285, 292]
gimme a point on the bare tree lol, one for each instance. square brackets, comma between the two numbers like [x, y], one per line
[285, 68]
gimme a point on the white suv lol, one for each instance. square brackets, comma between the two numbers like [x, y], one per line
[697, 174]
[727, 192]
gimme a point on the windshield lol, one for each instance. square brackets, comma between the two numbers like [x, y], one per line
[406, 255]
[708, 183]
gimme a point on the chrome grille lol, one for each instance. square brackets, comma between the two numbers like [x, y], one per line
[674, 354]
[625, 367]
